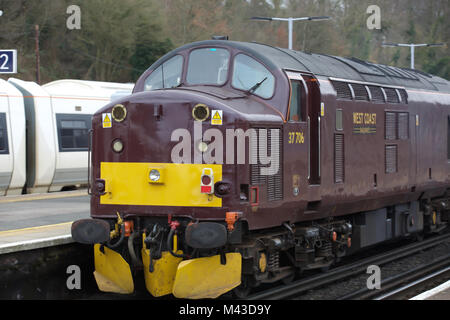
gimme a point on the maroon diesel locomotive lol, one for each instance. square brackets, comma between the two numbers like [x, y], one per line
[234, 164]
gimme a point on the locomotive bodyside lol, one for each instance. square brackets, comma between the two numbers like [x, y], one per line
[240, 163]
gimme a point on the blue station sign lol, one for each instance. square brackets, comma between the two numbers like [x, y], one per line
[8, 61]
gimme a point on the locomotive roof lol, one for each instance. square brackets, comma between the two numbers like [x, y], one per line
[333, 66]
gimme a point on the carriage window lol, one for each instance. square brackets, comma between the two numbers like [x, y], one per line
[297, 102]
[248, 74]
[73, 132]
[3, 134]
[167, 75]
[208, 66]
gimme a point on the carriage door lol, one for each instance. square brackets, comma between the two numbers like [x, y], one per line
[302, 147]
[313, 118]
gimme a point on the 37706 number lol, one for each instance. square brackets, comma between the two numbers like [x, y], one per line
[296, 137]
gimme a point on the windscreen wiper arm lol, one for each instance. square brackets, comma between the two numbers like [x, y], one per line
[256, 86]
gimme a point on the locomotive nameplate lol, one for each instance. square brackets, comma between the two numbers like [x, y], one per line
[364, 123]
[127, 183]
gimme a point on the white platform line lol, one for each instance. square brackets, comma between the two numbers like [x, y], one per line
[35, 243]
[432, 292]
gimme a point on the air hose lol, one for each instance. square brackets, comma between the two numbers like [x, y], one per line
[119, 242]
[136, 261]
[170, 245]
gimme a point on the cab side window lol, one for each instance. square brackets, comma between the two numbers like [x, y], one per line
[298, 102]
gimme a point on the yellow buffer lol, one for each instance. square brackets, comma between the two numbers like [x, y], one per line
[160, 281]
[112, 273]
[128, 183]
[206, 277]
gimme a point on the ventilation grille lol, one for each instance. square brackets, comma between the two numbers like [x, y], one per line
[404, 96]
[342, 89]
[274, 181]
[377, 94]
[391, 95]
[357, 91]
[403, 125]
[390, 124]
[360, 92]
[396, 125]
[338, 158]
[391, 159]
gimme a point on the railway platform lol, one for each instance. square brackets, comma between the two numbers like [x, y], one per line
[40, 220]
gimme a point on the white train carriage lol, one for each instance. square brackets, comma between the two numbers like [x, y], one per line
[12, 140]
[58, 120]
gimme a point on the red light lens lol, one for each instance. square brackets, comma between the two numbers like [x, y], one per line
[206, 189]
[206, 180]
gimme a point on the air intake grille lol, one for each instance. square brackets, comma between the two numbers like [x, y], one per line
[342, 89]
[390, 126]
[404, 96]
[338, 158]
[377, 94]
[391, 95]
[403, 125]
[360, 92]
[391, 159]
[273, 180]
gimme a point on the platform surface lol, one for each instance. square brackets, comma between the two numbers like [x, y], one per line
[35, 221]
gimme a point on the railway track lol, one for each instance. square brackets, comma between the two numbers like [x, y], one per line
[408, 284]
[299, 287]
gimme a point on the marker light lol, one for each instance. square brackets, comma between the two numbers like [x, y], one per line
[207, 181]
[117, 145]
[154, 175]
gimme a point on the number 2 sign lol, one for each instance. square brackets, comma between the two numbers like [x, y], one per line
[8, 61]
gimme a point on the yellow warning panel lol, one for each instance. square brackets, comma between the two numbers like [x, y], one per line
[217, 117]
[106, 120]
[127, 183]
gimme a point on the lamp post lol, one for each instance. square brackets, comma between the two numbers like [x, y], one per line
[291, 23]
[412, 46]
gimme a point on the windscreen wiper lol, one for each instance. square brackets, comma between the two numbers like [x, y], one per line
[256, 86]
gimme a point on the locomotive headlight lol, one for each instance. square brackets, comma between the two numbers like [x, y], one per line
[154, 175]
[117, 145]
